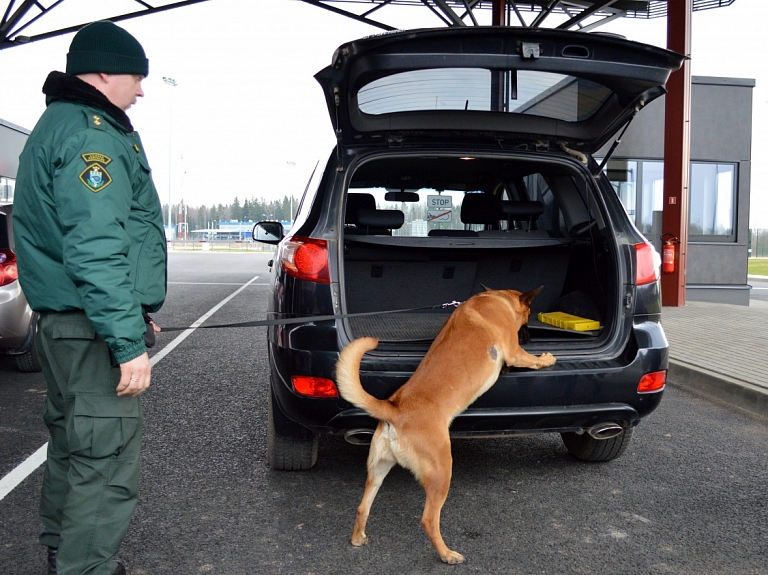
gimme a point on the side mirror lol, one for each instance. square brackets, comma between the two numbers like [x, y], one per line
[268, 232]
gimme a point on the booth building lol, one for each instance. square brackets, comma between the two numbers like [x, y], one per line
[720, 151]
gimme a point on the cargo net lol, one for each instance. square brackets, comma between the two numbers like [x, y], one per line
[400, 327]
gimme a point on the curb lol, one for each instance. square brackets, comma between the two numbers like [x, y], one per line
[744, 395]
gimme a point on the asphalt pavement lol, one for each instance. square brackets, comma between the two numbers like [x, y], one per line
[719, 350]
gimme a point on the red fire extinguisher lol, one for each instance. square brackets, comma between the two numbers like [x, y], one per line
[668, 252]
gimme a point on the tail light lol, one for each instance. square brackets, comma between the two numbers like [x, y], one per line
[314, 386]
[306, 259]
[646, 267]
[9, 271]
[652, 382]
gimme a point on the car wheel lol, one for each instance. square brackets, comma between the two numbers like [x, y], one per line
[28, 361]
[586, 448]
[290, 447]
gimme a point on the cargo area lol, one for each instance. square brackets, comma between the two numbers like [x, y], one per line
[422, 234]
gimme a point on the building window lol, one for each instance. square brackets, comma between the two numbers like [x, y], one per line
[712, 203]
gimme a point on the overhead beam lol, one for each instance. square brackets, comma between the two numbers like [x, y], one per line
[10, 20]
[585, 13]
[11, 34]
[449, 13]
[544, 13]
[349, 14]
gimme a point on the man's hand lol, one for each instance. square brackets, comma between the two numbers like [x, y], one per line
[134, 376]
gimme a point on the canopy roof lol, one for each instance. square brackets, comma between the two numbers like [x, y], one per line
[22, 16]
[580, 14]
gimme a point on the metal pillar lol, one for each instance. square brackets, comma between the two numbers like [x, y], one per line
[677, 131]
[499, 79]
[498, 13]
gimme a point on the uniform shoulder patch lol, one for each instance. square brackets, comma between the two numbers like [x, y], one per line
[95, 176]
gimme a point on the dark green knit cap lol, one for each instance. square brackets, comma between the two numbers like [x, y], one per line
[107, 48]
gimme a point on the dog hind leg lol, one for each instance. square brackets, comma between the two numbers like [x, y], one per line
[380, 461]
[436, 479]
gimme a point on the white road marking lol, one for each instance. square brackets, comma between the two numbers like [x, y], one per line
[15, 477]
[29, 465]
[186, 333]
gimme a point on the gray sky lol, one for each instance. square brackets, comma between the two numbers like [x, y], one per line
[248, 120]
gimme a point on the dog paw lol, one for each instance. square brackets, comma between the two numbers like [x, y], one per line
[546, 359]
[359, 540]
[453, 558]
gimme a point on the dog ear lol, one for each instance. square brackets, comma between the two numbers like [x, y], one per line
[527, 298]
[485, 287]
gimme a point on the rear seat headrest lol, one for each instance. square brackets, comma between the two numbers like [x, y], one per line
[524, 210]
[357, 202]
[480, 209]
[389, 219]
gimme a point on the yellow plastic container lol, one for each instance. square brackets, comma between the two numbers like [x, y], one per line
[568, 321]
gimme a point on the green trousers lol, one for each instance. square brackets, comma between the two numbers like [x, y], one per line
[91, 480]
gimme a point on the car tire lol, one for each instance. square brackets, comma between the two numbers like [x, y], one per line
[290, 447]
[28, 362]
[586, 448]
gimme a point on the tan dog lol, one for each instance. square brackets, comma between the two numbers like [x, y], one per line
[464, 361]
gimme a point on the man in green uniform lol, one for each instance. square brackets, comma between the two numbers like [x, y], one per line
[88, 228]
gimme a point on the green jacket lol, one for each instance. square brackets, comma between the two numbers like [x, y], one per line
[87, 220]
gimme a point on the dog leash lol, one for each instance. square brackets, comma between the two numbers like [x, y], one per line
[310, 318]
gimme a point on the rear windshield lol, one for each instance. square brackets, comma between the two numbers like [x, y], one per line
[428, 212]
[416, 195]
[533, 93]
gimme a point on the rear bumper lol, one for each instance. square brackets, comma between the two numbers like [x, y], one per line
[476, 422]
[569, 396]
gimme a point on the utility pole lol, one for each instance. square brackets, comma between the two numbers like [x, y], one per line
[172, 83]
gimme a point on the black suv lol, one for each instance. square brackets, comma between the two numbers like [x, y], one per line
[464, 159]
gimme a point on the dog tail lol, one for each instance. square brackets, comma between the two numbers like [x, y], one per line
[348, 380]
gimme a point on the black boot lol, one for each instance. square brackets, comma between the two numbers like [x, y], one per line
[51, 561]
[120, 569]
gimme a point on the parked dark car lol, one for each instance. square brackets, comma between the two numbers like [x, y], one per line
[18, 323]
[464, 159]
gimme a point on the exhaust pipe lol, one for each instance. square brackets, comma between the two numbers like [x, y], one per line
[359, 436]
[606, 430]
